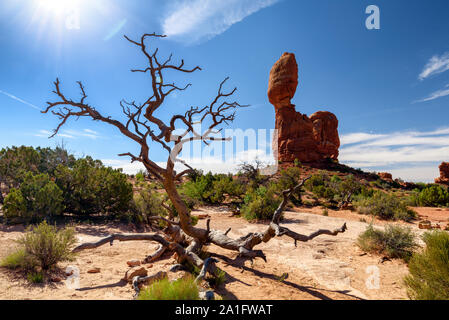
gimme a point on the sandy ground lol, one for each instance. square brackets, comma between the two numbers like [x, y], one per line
[325, 268]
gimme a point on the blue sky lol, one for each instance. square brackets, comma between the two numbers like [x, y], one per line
[388, 87]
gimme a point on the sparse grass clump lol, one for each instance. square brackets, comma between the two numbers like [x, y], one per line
[35, 277]
[42, 246]
[18, 259]
[181, 289]
[393, 242]
[429, 269]
[384, 206]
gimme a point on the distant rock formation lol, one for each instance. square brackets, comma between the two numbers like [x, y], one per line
[385, 176]
[444, 174]
[308, 139]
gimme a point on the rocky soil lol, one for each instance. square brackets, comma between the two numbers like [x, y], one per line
[325, 268]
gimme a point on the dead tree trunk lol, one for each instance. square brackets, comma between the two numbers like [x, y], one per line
[142, 126]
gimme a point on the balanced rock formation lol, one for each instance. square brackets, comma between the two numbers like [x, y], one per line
[444, 174]
[308, 139]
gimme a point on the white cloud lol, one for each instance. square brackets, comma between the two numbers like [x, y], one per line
[436, 94]
[411, 155]
[194, 20]
[436, 64]
[358, 137]
[70, 134]
[207, 163]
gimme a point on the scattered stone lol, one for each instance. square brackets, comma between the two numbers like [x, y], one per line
[133, 263]
[302, 138]
[134, 272]
[426, 224]
[55, 279]
[94, 270]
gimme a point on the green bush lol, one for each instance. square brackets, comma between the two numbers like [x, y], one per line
[384, 206]
[46, 245]
[90, 188]
[145, 204]
[35, 277]
[18, 259]
[37, 198]
[212, 189]
[140, 176]
[431, 196]
[393, 242]
[260, 204]
[429, 269]
[181, 289]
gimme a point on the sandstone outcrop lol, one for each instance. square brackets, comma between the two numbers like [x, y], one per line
[308, 139]
[385, 176]
[444, 174]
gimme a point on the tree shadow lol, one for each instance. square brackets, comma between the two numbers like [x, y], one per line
[240, 263]
[120, 283]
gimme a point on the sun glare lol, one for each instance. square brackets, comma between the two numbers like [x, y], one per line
[58, 6]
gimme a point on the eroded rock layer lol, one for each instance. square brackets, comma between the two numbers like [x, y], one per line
[308, 139]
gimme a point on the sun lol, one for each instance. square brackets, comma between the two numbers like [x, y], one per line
[58, 7]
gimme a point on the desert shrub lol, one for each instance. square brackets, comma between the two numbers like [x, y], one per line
[393, 242]
[140, 176]
[429, 269]
[181, 289]
[212, 189]
[336, 189]
[90, 188]
[18, 259]
[46, 245]
[35, 277]
[431, 196]
[260, 203]
[288, 178]
[16, 162]
[384, 206]
[37, 198]
[145, 204]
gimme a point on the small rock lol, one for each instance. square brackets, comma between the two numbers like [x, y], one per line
[134, 272]
[94, 270]
[150, 266]
[133, 263]
[55, 279]
[68, 274]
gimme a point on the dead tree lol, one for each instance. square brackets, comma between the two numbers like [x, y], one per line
[142, 125]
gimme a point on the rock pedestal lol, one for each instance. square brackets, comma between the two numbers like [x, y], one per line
[308, 139]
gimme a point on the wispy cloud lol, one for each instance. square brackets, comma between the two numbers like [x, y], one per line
[404, 153]
[436, 64]
[195, 20]
[116, 29]
[70, 134]
[20, 100]
[437, 94]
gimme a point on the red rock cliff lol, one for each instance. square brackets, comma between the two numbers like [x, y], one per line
[308, 139]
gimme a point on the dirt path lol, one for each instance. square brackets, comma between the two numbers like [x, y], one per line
[325, 268]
